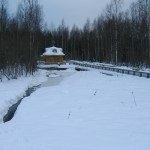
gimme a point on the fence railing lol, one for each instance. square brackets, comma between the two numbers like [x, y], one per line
[115, 69]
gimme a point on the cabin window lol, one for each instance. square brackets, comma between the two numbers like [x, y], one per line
[54, 50]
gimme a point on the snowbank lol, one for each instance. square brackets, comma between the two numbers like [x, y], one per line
[86, 111]
[13, 90]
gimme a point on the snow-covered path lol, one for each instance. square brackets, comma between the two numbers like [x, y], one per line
[86, 111]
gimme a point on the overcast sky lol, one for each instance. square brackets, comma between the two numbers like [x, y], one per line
[72, 11]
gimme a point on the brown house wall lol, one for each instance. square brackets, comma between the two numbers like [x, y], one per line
[53, 59]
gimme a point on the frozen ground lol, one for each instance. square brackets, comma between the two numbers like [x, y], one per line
[13, 90]
[55, 77]
[85, 111]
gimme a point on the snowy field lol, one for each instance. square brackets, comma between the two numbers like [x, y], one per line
[86, 110]
[13, 90]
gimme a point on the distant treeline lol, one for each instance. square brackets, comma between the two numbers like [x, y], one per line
[117, 37]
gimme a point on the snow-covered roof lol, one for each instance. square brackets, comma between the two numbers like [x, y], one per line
[51, 51]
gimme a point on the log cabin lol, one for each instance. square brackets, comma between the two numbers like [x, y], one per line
[53, 55]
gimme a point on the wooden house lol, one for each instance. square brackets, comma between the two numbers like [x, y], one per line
[53, 55]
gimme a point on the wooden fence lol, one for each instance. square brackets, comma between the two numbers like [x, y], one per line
[115, 69]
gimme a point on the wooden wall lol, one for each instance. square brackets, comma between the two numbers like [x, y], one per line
[53, 59]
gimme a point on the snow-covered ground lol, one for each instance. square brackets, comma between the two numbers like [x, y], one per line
[13, 90]
[87, 110]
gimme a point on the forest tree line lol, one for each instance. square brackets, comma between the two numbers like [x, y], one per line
[116, 36]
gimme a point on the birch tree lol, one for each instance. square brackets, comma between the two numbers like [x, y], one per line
[116, 7]
[31, 13]
[3, 25]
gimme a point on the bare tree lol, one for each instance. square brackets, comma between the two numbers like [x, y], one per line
[31, 14]
[3, 26]
[87, 29]
[116, 8]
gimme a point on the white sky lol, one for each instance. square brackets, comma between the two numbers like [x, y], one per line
[72, 11]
